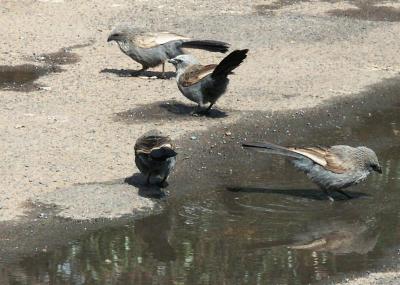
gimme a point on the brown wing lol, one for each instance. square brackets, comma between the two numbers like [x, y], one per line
[195, 73]
[145, 144]
[149, 40]
[324, 157]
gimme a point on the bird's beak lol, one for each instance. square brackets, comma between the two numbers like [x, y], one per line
[379, 169]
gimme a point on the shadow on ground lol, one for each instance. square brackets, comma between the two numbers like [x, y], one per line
[163, 111]
[137, 73]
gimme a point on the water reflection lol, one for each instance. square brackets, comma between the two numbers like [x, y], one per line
[338, 237]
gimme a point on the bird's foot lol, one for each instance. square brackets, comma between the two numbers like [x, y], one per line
[195, 113]
[163, 76]
[328, 194]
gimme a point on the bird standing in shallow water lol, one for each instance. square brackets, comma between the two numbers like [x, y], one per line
[151, 49]
[205, 83]
[331, 168]
[155, 156]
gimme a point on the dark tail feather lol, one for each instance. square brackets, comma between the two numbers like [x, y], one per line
[273, 149]
[229, 63]
[162, 153]
[208, 45]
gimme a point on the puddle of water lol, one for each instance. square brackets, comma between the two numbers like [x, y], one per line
[163, 112]
[22, 77]
[248, 218]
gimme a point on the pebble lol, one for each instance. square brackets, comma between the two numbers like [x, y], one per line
[42, 216]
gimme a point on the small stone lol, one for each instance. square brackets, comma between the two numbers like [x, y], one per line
[108, 261]
[19, 126]
[46, 88]
[42, 216]
[228, 133]
[193, 138]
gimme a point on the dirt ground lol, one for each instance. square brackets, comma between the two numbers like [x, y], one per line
[68, 131]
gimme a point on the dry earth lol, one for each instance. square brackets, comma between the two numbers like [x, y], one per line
[66, 132]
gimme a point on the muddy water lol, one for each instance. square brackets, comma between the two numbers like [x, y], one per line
[237, 217]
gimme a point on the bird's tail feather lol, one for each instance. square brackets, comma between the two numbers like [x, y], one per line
[208, 45]
[273, 149]
[229, 63]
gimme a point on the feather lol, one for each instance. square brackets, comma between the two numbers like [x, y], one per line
[195, 73]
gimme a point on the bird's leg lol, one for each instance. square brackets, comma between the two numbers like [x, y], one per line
[209, 108]
[163, 70]
[148, 178]
[200, 110]
[327, 193]
[196, 111]
[344, 194]
[163, 183]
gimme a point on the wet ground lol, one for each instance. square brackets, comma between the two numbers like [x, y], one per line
[22, 77]
[371, 10]
[238, 217]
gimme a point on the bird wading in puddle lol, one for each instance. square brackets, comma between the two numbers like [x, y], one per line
[331, 168]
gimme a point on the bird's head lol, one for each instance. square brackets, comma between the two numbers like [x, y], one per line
[122, 32]
[370, 159]
[183, 61]
[117, 36]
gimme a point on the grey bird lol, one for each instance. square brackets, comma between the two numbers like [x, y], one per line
[155, 156]
[331, 168]
[205, 83]
[151, 49]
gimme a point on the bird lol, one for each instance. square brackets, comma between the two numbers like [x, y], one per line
[205, 83]
[151, 49]
[332, 168]
[155, 156]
